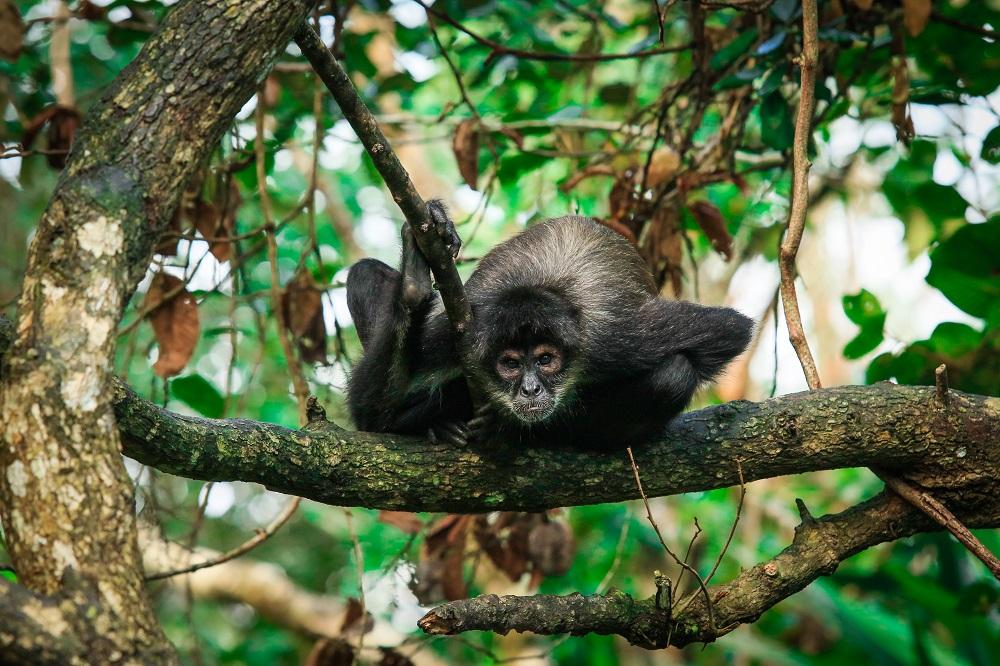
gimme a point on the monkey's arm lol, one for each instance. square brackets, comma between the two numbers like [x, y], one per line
[400, 384]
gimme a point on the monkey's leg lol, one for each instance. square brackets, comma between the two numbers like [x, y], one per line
[371, 289]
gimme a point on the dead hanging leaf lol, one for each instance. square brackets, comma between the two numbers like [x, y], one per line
[621, 229]
[216, 220]
[514, 136]
[663, 248]
[901, 118]
[171, 236]
[407, 522]
[505, 540]
[709, 218]
[353, 625]
[174, 318]
[89, 11]
[302, 305]
[62, 123]
[623, 200]
[916, 13]
[330, 652]
[440, 572]
[864, 5]
[465, 145]
[11, 31]
[272, 92]
[551, 547]
[663, 166]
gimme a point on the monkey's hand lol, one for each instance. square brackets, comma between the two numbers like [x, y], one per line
[483, 425]
[444, 228]
[449, 432]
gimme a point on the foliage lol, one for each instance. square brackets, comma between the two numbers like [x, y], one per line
[685, 152]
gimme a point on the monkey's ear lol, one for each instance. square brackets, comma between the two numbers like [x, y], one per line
[710, 337]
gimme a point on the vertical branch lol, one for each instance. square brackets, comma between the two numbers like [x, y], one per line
[294, 369]
[800, 193]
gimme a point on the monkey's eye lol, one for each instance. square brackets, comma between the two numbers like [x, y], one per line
[510, 363]
[545, 359]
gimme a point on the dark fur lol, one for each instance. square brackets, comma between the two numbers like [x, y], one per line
[632, 360]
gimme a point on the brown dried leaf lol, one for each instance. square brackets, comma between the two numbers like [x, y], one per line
[352, 619]
[514, 136]
[709, 218]
[864, 4]
[551, 548]
[408, 522]
[170, 237]
[89, 11]
[663, 166]
[465, 145]
[663, 248]
[453, 574]
[621, 229]
[916, 13]
[302, 305]
[174, 319]
[331, 652]
[11, 31]
[207, 219]
[901, 118]
[505, 541]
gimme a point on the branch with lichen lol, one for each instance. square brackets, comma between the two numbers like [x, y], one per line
[818, 547]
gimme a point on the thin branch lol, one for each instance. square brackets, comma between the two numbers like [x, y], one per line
[656, 528]
[498, 49]
[818, 547]
[800, 193]
[974, 29]
[396, 178]
[260, 537]
[943, 517]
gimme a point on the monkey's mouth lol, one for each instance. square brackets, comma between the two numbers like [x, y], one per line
[533, 412]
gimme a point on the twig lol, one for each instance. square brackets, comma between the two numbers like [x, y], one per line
[248, 545]
[941, 384]
[943, 517]
[656, 528]
[975, 29]
[498, 49]
[294, 368]
[736, 521]
[359, 565]
[396, 179]
[800, 193]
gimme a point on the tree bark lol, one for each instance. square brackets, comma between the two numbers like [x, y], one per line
[65, 499]
[954, 449]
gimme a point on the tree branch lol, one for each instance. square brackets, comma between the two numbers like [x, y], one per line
[816, 550]
[897, 428]
[34, 629]
[396, 179]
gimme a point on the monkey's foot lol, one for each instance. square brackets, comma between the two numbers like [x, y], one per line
[449, 432]
[444, 228]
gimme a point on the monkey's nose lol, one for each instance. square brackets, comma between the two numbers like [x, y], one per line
[531, 389]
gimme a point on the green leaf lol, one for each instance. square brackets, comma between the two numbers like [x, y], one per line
[966, 268]
[776, 128]
[862, 307]
[991, 146]
[953, 339]
[864, 310]
[733, 49]
[197, 393]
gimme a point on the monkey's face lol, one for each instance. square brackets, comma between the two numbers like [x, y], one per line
[530, 379]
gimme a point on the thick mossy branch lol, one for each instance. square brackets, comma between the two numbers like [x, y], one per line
[898, 428]
[818, 547]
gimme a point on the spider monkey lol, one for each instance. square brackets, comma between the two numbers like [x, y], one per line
[569, 342]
